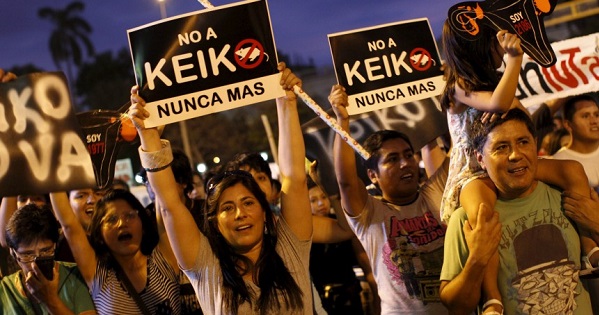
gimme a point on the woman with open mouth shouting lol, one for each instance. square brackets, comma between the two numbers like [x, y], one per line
[127, 264]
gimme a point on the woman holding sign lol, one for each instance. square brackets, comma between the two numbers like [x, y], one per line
[247, 262]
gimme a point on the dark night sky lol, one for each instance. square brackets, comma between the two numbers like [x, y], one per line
[300, 27]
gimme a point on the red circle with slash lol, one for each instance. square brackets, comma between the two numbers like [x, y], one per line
[245, 60]
[422, 54]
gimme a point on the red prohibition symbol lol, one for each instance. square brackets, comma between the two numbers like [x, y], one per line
[421, 59]
[249, 53]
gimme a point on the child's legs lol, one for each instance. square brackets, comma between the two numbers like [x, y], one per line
[473, 194]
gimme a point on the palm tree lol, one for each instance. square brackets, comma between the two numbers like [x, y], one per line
[70, 31]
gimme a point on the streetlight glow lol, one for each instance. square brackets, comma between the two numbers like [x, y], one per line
[264, 156]
[162, 9]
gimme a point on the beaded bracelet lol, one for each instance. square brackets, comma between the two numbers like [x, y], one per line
[157, 160]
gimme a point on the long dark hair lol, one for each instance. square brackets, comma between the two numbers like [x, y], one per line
[149, 239]
[272, 275]
[469, 64]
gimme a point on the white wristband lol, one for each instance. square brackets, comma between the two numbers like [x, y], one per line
[156, 160]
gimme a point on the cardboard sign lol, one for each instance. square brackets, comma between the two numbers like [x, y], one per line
[40, 144]
[387, 65]
[123, 169]
[576, 71]
[104, 132]
[206, 62]
[422, 121]
[521, 17]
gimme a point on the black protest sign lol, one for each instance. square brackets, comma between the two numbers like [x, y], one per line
[422, 121]
[104, 131]
[40, 144]
[206, 62]
[521, 17]
[387, 65]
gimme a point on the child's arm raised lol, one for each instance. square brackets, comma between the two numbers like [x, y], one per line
[501, 99]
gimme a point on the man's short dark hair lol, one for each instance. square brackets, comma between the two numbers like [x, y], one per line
[252, 161]
[31, 223]
[480, 131]
[375, 141]
[570, 105]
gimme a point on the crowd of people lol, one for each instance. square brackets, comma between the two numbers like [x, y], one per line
[505, 221]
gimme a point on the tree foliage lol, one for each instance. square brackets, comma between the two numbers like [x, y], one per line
[69, 33]
[104, 82]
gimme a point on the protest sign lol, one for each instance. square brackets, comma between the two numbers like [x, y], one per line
[104, 132]
[387, 65]
[206, 62]
[575, 72]
[41, 149]
[521, 17]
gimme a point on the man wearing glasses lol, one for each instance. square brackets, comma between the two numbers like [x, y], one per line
[42, 286]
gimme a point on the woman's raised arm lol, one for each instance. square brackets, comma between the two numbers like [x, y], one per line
[156, 156]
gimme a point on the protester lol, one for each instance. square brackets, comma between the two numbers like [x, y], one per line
[8, 264]
[554, 141]
[42, 285]
[581, 119]
[128, 267]
[528, 220]
[371, 303]
[326, 230]
[473, 85]
[231, 266]
[82, 203]
[198, 192]
[332, 265]
[406, 212]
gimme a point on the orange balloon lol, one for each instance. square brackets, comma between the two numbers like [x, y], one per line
[543, 5]
[128, 131]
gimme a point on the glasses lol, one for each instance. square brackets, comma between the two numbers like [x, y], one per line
[29, 258]
[112, 220]
[216, 179]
